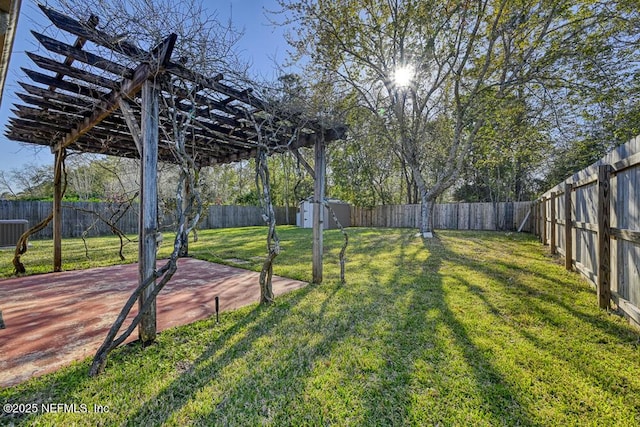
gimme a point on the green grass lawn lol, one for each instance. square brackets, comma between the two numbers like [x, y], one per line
[471, 329]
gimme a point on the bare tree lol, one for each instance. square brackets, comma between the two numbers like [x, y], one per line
[32, 181]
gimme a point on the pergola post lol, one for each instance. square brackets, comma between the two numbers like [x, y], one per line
[148, 219]
[318, 208]
[57, 208]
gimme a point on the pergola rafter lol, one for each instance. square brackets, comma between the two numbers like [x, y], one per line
[220, 109]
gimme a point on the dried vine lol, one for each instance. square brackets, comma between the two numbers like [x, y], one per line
[22, 244]
[343, 250]
[189, 212]
[165, 273]
[111, 222]
[269, 216]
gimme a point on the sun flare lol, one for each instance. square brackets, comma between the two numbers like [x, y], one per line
[403, 76]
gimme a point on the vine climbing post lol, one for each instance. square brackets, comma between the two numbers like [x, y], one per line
[318, 209]
[148, 209]
[273, 243]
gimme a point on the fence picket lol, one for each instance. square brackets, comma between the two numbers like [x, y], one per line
[602, 214]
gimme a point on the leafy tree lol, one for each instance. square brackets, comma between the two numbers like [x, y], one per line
[419, 67]
[510, 149]
[592, 87]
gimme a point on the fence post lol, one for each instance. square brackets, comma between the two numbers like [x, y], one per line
[534, 218]
[568, 227]
[539, 209]
[544, 220]
[604, 236]
[553, 226]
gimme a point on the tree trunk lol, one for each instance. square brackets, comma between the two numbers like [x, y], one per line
[426, 215]
[427, 199]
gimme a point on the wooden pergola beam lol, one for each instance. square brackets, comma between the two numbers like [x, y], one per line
[64, 85]
[53, 45]
[129, 88]
[47, 95]
[244, 96]
[51, 105]
[67, 70]
[96, 36]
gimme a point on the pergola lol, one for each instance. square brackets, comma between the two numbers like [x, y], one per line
[88, 109]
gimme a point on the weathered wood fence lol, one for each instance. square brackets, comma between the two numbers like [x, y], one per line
[77, 217]
[593, 220]
[452, 216]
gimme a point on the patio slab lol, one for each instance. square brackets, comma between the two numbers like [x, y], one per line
[53, 319]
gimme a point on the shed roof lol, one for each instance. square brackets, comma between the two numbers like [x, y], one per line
[80, 108]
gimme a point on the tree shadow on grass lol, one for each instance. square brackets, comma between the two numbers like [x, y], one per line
[463, 374]
[385, 351]
[64, 385]
[53, 388]
[580, 360]
[404, 342]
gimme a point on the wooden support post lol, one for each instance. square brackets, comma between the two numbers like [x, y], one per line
[534, 218]
[538, 223]
[604, 236]
[553, 226]
[318, 209]
[568, 227]
[148, 208]
[543, 204]
[58, 185]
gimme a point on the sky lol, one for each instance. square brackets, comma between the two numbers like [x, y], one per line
[260, 45]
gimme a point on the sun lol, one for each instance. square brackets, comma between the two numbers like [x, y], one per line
[403, 76]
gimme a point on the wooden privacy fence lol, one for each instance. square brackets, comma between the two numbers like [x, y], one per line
[243, 216]
[76, 217]
[593, 220]
[451, 216]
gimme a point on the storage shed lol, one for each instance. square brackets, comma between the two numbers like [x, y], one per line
[342, 210]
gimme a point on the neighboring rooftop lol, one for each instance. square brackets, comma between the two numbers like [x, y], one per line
[9, 11]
